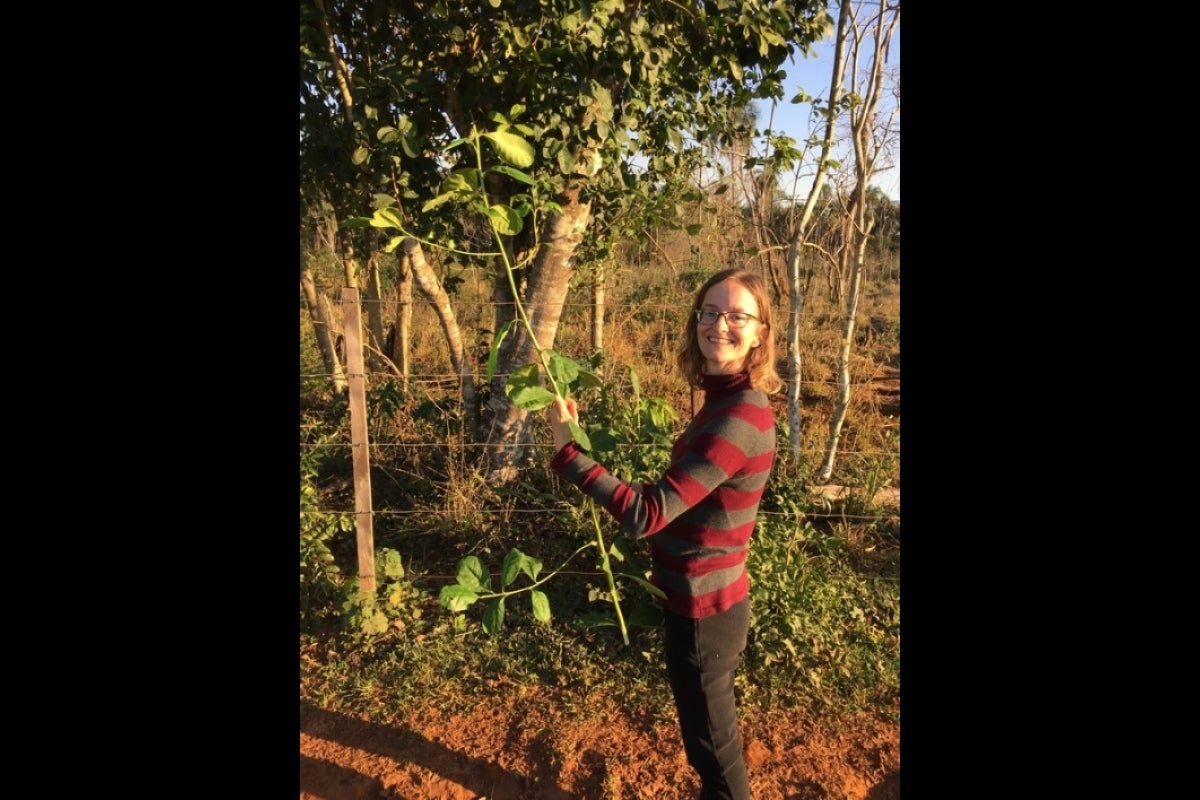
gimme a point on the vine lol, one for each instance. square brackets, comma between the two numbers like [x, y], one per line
[524, 388]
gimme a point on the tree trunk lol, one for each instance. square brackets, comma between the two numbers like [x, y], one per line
[842, 402]
[320, 321]
[797, 287]
[599, 298]
[402, 332]
[431, 288]
[509, 435]
[374, 306]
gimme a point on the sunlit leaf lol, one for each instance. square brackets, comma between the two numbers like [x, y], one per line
[495, 352]
[505, 220]
[562, 369]
[387, 218]
[581, 437]
[456, 597]
[511, 148]
[472, 575]
[541, 605]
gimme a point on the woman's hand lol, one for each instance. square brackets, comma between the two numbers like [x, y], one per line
[562, 412]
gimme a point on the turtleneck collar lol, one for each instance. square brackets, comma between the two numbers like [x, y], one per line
[724, 385]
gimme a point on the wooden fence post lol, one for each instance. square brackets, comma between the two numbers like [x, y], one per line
[356, 378]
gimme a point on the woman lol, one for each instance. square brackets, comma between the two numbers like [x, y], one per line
[699, 515]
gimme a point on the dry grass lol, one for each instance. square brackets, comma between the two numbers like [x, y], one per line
[643, 319]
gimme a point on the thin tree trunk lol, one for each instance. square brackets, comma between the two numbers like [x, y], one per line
[842, 402]
[402, 341]
[510, 433]
[319, 315]
[800, 238]
[599, 298]
[431, 288]
[374, 306]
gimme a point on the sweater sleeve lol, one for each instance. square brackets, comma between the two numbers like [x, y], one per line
[710, 456]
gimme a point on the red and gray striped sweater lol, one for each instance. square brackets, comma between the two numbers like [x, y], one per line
[702, 511]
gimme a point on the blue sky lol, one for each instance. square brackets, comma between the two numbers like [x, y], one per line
[812, 74]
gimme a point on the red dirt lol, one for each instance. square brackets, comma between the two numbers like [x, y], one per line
[558, 748]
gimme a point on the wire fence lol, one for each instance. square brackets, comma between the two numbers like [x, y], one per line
[444, 386]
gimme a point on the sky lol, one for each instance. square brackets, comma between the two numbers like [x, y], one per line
[812, 74]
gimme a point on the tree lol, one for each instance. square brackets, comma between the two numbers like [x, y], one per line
[616, 94]
[868, 40]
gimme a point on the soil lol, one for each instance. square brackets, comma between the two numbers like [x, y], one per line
[555, 748]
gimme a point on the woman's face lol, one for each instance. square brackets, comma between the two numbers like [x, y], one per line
[723, 345]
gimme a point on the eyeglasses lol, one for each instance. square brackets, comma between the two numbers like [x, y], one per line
[735, 319]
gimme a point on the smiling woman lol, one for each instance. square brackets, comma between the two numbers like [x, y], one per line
[700, 514]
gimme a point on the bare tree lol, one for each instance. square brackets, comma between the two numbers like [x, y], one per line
[868, 41]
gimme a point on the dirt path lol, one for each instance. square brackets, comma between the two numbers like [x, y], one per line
[543, 748]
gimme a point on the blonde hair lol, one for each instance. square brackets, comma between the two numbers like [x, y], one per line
[760, 362]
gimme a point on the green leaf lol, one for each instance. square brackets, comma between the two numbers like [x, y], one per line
[439, 200]
[361, 154]
[645, 584]
[604, 440]
[529, 398]
[541, 605]
[511, 148]
[456, 597]
[527, 564]
[493, 616]
[472, 575]
[375, 622]
[594, 619]
[694, 228]
[588, 380]
[562, 369]
[515, 174]
[495, 352]
[581, 437]
[390, 563]
[387, 218]
[512, 567]
[505, 220]
[524, 389]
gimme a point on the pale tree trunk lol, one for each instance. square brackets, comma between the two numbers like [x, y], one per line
[799, 240]
[319, 314]
[858, 222]
[599, 298]
[433, 291]
[374, 305]
[842, 401]
[402, 333]
[510, 433]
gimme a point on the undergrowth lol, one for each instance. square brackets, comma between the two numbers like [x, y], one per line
[825, 578]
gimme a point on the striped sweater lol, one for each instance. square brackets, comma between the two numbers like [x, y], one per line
[701, 512]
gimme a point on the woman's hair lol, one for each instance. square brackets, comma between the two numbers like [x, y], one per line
[760, 362]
